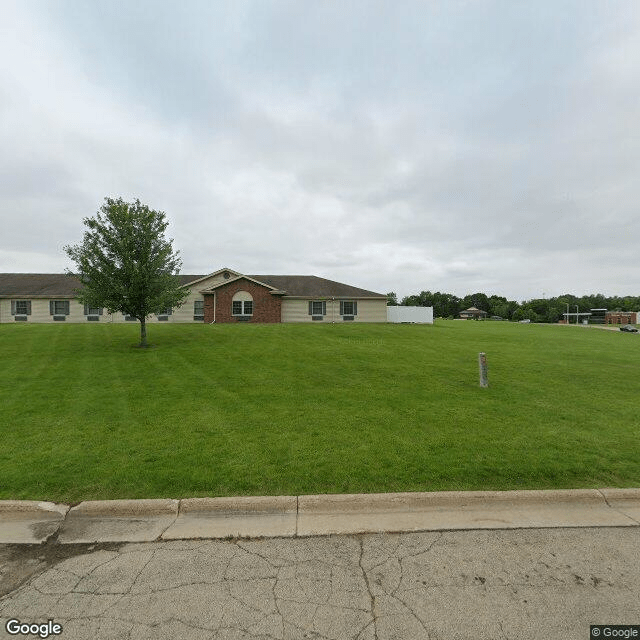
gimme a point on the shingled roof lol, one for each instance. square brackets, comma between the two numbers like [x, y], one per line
[47, 285]
[312, 286]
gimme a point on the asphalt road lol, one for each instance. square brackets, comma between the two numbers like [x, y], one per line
[497, 584]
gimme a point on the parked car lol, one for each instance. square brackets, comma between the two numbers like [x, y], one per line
[629, 328]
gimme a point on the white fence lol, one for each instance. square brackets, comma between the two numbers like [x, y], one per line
[421, 315]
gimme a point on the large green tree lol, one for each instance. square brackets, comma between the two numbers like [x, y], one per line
[126, 264]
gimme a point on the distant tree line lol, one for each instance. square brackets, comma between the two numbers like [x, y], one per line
[448, 305]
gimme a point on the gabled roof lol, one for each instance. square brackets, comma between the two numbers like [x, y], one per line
[194, 279]
[235, 279]
[49, 285]
[38, 284]
[315, 287]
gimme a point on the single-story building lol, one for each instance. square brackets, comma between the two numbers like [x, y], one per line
[621, 317]
[473, 313]
[222, 296]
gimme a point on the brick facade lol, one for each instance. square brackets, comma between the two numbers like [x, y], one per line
[620, 317]
[266, 307]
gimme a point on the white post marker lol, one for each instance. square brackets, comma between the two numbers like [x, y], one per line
[482, 363]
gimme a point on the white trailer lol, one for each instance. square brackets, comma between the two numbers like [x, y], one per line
[418, 315]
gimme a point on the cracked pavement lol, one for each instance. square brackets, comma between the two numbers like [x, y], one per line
[494, 584]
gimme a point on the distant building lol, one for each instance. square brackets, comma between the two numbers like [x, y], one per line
[621, 317]
[472, 313]
[222, 296]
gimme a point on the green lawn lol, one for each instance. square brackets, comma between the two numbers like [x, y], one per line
[248, 409]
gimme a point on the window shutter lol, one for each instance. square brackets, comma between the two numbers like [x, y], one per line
[51, 309]
[13, 307]
[310, 308]
[324, 307]
[341, 308]
[355, 308]
[66, 308]
[28, 307]
[86, 309]
[100, 311]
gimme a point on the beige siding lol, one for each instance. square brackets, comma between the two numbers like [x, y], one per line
[40, 312]
[5, 310]
[212, 281]
[297, 310]
[40, 307]
[185, 312]
[372, 311]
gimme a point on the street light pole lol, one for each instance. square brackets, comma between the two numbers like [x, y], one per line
[576, 314]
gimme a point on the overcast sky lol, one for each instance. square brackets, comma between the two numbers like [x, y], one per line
[396, 146]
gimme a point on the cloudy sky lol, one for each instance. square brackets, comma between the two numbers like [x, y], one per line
[457, 146]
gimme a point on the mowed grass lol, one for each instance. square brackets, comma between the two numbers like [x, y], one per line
[247, 409]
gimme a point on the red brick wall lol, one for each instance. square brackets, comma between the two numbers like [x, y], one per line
[209, 312]
[266, 308]
[621, 317]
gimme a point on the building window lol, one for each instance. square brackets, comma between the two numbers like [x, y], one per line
[163, 315]
[317, 309]
[93, 313]
[242, 304]
[130, 318]
[198, 310]
[348, 308]
[58, 308]
[242, 307]
[21, 308]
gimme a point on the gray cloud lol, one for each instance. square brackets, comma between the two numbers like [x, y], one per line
[457, 146]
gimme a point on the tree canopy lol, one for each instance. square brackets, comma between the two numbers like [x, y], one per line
[126, 264]
[537, 310]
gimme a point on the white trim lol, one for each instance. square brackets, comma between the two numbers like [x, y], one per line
[242, 306]
[211, 275]
[240, 277]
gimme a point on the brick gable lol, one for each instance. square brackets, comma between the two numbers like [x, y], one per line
[266, 307]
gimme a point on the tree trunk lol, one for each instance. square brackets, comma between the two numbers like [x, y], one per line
[143, 333]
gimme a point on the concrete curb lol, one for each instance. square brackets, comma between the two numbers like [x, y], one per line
[118, 521]
[31, 522]
[447, 510]
[246, 517]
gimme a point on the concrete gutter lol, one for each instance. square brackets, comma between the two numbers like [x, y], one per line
[291, 516]
[244, 517]
[118, 521]
[447, 510]
[30, 521]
